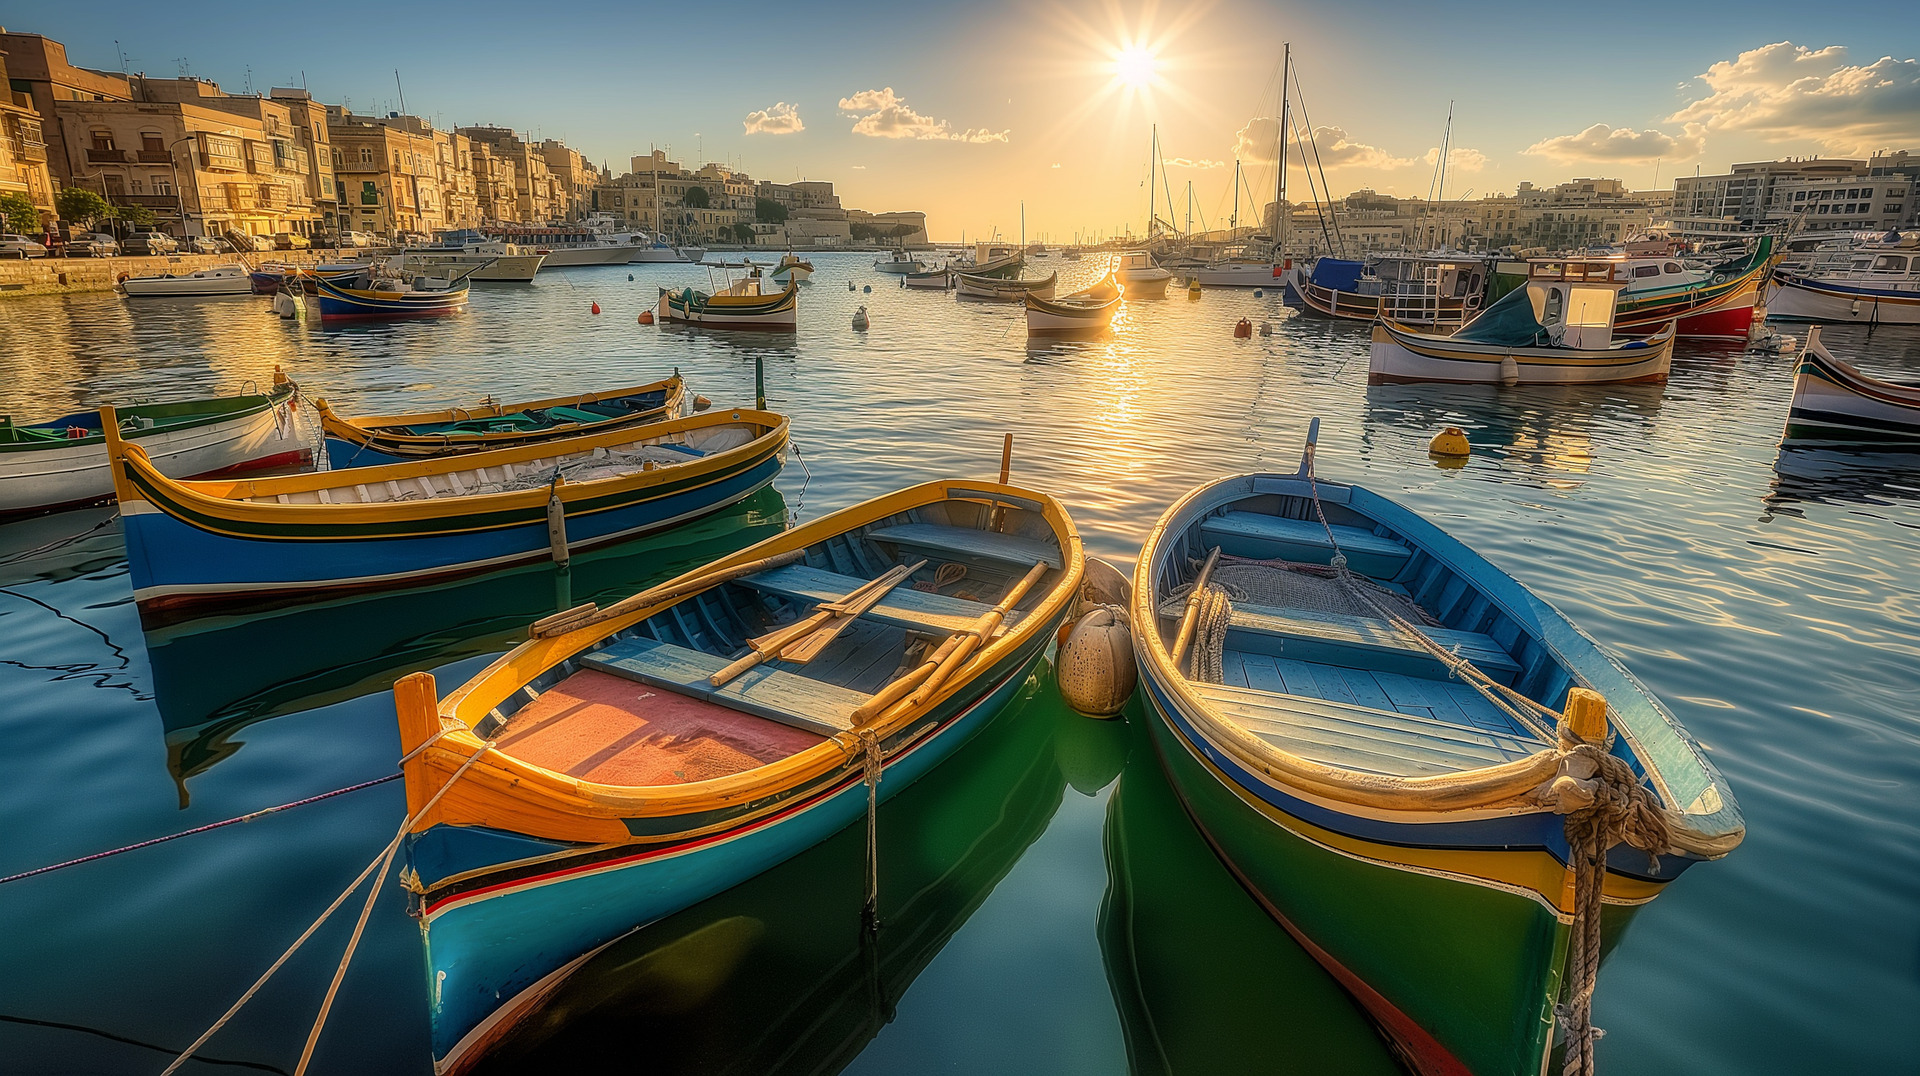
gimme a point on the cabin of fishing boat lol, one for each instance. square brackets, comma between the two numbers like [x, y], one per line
[1568, 303]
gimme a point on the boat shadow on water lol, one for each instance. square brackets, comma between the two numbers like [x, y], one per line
[1807, 473]
[216, 675]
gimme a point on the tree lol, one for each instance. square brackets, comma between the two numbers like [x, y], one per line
[18, 213]
[696, 198]
[79, 205]
[863, 232]
[137, 217]
[743, 233]
[768, 211]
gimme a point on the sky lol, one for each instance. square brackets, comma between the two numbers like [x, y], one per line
[970, 111]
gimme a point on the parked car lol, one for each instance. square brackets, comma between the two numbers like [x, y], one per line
[355, 239]
[150, 243]
[290, 241]
[207, 244]
[258, 244]
[21, 246]
[325, 239]
[92, 245]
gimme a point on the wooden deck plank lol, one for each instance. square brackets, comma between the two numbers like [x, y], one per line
[1375, 642]
[1359, 738]
[1233, 669]
[966, 542]
[1298, 677]
[1259, 535]
[1366, 690]
[917, 610]
[1261, 673]
[775, 694]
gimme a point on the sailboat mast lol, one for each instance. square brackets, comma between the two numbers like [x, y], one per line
[1234, 224]
[1153, 154]
[1280, 213]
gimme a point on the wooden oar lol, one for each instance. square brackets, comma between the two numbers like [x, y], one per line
[846, 610]
[941, 664]
[849, 609]
[582, 615]
[1181, 640]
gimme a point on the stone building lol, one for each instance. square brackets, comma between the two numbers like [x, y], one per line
[23, 149]
[537, 195]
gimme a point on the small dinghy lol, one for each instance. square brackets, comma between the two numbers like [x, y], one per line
[366, 440]
[626, 763]
[1047, 317]
[1835, 403]
[995, 289]
[741, 305]
[934, 280]
[420, 297]
[1421, 769]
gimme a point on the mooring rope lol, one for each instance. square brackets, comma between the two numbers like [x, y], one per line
[871, 764]
[380, 862]
[59, 543]
[248, 817]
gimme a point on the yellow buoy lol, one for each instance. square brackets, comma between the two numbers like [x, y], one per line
[1095, 665]
[1451, 441]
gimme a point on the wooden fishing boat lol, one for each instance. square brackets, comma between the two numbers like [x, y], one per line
[792, 268]
[1835, 403]
[1712, 304]
[1005, 291]
[1881, 286]
[367, 440]
[1370, 735]
[740, 306]
[304, 536]
[1558, 328]
[1139, 277]
[268, 278]
[1047, 317]
[999, 260]
[62, 463]
[1436, 293]
[620, 766]
[940, 279]
[388, 299]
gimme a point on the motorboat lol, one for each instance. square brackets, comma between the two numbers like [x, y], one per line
[566, 246]
[231, 279]
[900, 263]
[793, 267]
[469, 254]
[1139, 277]
[1880, 286]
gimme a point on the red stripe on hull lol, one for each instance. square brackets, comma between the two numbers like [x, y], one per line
[1733, 323]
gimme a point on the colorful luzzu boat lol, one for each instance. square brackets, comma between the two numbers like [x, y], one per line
[385, 300]
[333, 532]
[1557, 329]
[1834, 403]
[1880, 287]
[1715, 304]
[1404, 826]
[740, 306]
[366, 440]
[62, 463]
[596, 779]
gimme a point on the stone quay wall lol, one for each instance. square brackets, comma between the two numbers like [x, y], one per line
[57, 276]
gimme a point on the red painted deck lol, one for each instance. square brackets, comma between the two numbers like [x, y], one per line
[614, 731]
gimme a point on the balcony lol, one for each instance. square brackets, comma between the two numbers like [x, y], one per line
[108, 156]
[154, 156]
[168, 202]
[222, 163]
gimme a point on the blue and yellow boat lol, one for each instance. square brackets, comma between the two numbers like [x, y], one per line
[300, 536]
[379, 301]
[366, 440]
[1414, 763]
[620, 766]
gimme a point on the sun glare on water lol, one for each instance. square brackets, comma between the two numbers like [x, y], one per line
[1134, 67]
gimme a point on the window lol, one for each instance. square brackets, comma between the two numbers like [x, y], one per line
[1672, 267]
[151, 142]
[337, 161]
[366, 154]
[103, 140]
[1640, 271]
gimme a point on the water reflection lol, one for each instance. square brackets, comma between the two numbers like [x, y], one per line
[1807, 474]
[778, 975]
[1552, 433]
[215, 676]
[1195, 964]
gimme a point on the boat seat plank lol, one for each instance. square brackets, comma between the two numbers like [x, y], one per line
[788, 698]
[1264, 537]
[1361, 738]
[1010, 549]
[916, 610]
[1479, 727]
[1333, 639]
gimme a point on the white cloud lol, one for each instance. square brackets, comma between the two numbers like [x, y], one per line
[1621, 145]
[1202, 163]
[1056, 166]
[782, 118]
[1786, 92]
[1336, 149]
[1458, 160]
[884, 114]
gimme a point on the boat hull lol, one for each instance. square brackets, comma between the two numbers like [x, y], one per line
[1836, 404]
[938, 281]
[70, 475]
[1064, 319]
[191, 286]
[777, 313]
[1143, 283]
[1399, 356]
[369, 440]
[1239, 275]
[899, 268]
[355, 304]
[1801, 299]
[496, 953]
[654, 256]
[1005, 291]
[504, 269]
[1446, 314]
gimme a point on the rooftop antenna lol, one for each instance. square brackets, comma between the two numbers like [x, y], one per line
[249, 80]
[403, 93]
[123, 55]
[185, 68]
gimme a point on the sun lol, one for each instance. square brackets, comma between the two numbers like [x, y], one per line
[1135, 67]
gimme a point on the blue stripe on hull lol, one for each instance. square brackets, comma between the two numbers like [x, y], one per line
[342, 455]
[164, 553]
[483, 954]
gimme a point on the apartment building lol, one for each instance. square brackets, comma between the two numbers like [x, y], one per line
[574, 178]
[23, 148]
[401, 174]
[1566, 216]
[537, 194]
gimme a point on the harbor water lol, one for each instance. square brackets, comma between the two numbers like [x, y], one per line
[1046, 905]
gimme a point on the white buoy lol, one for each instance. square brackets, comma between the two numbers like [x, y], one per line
[1095, 664]
[860, 320]
[1509, 371]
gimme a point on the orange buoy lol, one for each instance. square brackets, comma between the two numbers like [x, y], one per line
[1243, 330]
[596, 308]
[646, 317]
